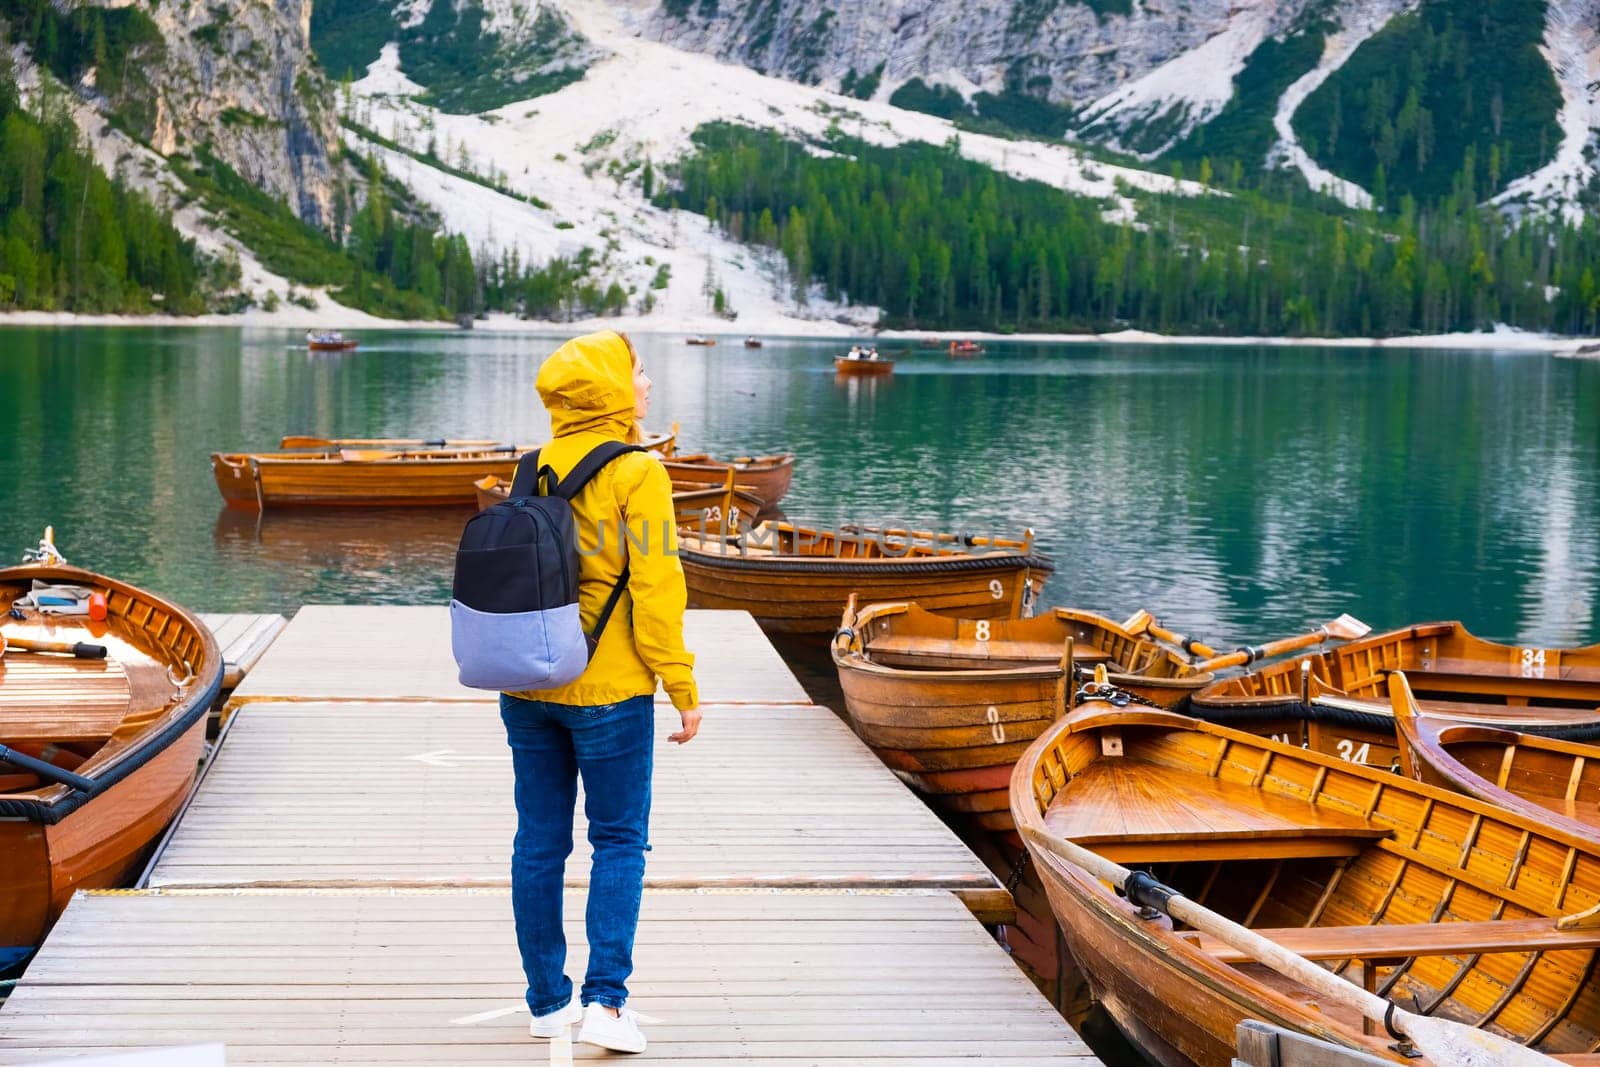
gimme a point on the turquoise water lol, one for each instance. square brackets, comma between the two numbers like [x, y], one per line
[1239, 492]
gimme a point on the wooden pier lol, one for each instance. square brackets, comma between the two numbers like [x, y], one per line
[337, 890]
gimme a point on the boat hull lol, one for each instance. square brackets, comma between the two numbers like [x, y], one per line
[950, 706]
[863, 368]
[766, 478]
[805, 595]
[1342, 708]
[252, 482]
[98, 846]
[132, 724]
[1352, 863]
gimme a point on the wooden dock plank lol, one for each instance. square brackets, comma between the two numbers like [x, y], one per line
[403, 653]
[244, 639]
[416, 794]
[754, 977]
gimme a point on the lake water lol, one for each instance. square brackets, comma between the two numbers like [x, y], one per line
[1240, 493]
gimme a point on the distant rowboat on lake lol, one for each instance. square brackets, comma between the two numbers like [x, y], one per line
[330, 341]
[862, 363]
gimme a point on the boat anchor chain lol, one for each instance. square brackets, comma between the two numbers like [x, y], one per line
[1111, 694]
[1016, 871]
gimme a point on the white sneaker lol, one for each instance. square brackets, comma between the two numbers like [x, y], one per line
[619, 1034]
[554, 1024]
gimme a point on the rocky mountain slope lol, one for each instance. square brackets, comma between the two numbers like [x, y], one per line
[1180, 80]
[532, 128]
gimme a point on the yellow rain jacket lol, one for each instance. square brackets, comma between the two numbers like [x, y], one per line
[587, 386]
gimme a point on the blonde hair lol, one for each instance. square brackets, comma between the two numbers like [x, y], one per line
[635, 432]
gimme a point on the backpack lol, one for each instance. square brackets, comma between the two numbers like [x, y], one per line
[514, 621]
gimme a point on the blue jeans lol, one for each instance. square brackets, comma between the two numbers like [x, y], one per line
[612, 747]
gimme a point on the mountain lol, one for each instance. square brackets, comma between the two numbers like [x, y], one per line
[1329, 89]
[1432, 159]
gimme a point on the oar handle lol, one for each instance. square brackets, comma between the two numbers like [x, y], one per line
[80, 649]
[1189, 644]
[1247, 654]
[47, 771]
[1144, 890]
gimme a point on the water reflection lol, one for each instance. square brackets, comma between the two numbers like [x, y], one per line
[346, 555]
[1239, 492]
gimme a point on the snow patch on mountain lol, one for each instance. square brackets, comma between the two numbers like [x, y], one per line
[579, 150]
[1572, 46]
[1187, 91]
[1358, 21]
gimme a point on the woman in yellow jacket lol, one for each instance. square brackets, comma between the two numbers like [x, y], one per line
[600, 726]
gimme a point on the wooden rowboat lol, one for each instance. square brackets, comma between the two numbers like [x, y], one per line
[1543, 778]
[356, 477]
[1482, 915]
[767, 477]
[949, 703]
[104, 750]
[860, 368]
[796, 579]
[332, 341]
[365, 477]
[702, 510]
[1337, 701]
[663, 444]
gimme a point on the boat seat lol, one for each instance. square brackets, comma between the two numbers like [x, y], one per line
[1470, 712]
[1398, 941]
[1132, 811]
[979, 653]
[1479, 668]
[1507, 714]
[58, 698]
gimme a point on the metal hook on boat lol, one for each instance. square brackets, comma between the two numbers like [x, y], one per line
[183, 681]
[46, 553]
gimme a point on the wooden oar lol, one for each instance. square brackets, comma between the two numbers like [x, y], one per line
[1448, 1044]
[1344, 628]
[1142, 622]
[81, 649]
[298, 441]
[48, 771]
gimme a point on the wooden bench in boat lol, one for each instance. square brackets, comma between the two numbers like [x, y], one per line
[904, 646]
[1462, 711]
[37, 704]
[1391, 942]
[1130, 811]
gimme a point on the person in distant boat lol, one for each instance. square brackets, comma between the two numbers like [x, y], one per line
[599, 727]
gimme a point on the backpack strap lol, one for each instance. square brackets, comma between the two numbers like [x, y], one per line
[569, 487]
[526, 480]
[589, 466]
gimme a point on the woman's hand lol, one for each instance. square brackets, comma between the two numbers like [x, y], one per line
[691, 726]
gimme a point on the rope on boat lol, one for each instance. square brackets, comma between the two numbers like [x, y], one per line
[1343, 716]
[884, 565]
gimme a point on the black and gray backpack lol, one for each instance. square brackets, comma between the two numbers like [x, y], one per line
[514, 604]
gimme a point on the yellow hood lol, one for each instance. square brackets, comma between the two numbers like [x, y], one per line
[587, 385]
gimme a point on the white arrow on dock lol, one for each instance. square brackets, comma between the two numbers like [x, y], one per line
[449, 757]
